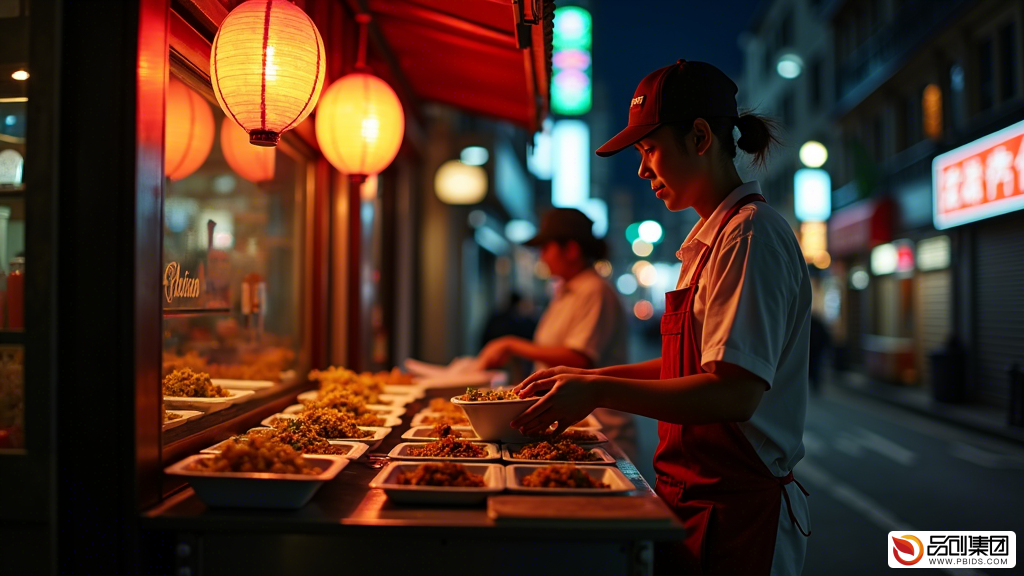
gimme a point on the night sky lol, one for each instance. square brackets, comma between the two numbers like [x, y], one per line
[635, 37]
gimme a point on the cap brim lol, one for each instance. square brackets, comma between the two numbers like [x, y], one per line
[536, 241]
[630, 135]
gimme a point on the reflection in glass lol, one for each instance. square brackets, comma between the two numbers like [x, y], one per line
[232, 261]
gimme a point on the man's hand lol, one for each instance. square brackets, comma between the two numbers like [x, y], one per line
[495, 354]
[571, 396]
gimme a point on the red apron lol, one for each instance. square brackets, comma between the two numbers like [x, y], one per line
[709, 474]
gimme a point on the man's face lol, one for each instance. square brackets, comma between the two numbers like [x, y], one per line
[676, 171]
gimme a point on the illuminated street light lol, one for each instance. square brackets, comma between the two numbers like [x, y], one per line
[650, 231]
[642, 249]
[474, 156]
[790, 66]
[813, 154]
[626, 284]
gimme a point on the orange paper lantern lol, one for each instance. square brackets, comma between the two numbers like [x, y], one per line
[254, 163]
[188, 131]
[360, 124]
[268, 66]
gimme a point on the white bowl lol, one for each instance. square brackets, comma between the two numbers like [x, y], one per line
[490, 419]
[610, 475]
[494, 480]
[257, 489]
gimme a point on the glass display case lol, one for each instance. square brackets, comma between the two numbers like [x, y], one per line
[235, 266]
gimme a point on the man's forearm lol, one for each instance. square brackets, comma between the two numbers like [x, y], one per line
[698, 399]
[549, 355]
[649, 370]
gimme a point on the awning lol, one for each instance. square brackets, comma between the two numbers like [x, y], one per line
[467, 53]
[861, 226]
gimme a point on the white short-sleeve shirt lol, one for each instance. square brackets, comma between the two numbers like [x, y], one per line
[752, 309]
[586, 316]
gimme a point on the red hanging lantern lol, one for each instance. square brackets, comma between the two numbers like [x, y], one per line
[360, 122]
[188, 130]
[254, 163]
[268, 66]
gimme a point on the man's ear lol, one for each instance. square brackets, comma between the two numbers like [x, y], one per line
[702, 135]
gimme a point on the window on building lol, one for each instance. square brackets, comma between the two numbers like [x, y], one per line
[814, 77]
[1008, 61]
[986, 83]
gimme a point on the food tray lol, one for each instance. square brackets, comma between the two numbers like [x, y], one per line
[243, 384]
[413, 390]
[389, 421]
[608, 474]
[186, 415]
[494, 477]
[401, 452]
[379, 409]
[207, 404]
[508, 449]
[379, 432]
[386, 400]
[355, 449]
[257, 489]
[418, 419]
[422, 433]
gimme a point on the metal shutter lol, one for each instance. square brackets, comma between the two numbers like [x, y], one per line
[934, 316]
[999, 304]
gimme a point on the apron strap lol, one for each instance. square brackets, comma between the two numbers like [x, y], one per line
[706, 255]
[787, 479]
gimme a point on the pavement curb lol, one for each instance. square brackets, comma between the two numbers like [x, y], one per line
[956, 414]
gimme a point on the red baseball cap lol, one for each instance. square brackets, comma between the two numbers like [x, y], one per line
[681, 92]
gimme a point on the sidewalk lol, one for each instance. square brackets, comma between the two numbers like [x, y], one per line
[977, 417]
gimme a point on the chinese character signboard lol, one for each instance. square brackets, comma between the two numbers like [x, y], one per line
[979, 180]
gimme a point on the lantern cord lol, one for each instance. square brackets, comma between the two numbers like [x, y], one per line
[363, 20]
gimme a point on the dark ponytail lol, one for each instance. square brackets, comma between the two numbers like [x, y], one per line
[758, 137]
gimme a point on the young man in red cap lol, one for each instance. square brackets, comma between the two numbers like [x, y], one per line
[730, 387]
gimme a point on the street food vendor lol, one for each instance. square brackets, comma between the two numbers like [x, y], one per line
[730, 387]
[584, 326]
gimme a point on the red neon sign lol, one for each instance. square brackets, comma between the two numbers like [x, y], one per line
[979, 180]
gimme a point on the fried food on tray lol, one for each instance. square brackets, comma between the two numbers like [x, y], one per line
[450, 447]
[267, 364]
[339, 400]
[442, 405]
[478, 395]
[169, 416]
[555, 450]
[441, 474]
[561, 476]
[261, 453]
[444, 430]
[186, 383]
[451, 420]
[299, 437]
[331, 424]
